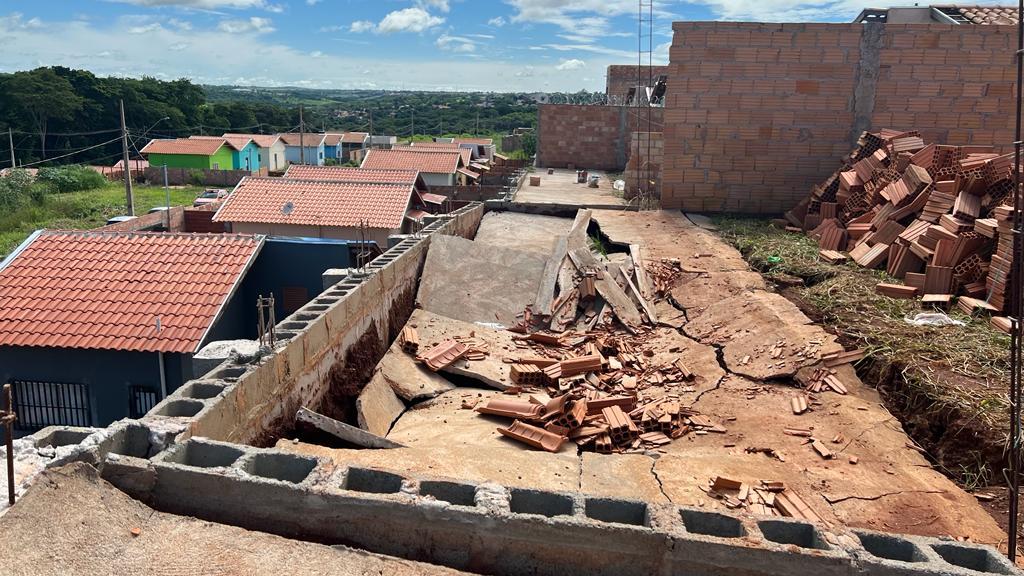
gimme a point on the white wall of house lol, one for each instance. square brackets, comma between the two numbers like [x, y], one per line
[275, 159]
[431, 179]
[378, 235]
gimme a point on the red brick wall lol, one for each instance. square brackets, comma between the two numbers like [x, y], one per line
[757, 113]
[594, 137]
[621, 78]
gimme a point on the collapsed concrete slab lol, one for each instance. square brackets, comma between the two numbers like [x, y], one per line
[477, 282]
[408, 378]
[490, 371]
[762, 334]
[526, 232]
[667, 347]
[697, 291]
[377, 406]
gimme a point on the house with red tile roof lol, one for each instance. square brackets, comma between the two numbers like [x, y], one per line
[270, 150]
[437, 167]
[98, 326]
[95, 317]
[244, 152]
[352, 174]
[304, 148]
[318, 208]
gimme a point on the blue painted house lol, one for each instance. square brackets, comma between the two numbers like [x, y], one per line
[314, 148]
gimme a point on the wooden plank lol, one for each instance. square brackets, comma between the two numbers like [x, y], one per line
[548, 280]
[344, 432]
[612, 293]
[652, 316]
[642, 281]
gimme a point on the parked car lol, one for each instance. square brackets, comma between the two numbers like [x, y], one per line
[210, 196]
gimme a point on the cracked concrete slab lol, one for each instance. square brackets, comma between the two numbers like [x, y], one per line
[620, 476]
[669, 234]
[526, 232]
[518, 468]
[478, 282]
[697, 291]
[377, 405]
[669, 315]
[491, 371]
[409, 378]
[668, 346]
[762, 335]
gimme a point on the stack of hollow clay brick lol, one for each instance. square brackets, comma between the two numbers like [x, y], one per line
[934, 216]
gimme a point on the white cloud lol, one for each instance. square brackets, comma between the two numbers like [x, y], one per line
[596, 49]
[455, 44]
[497, 22]
[408, 20]
[573, 64]
[253, 24]
[441, 5]
[482, 36]
[205, 4]
[145, 29]
[16, 21]
[312, 2]
[316, 54]
[359, 26]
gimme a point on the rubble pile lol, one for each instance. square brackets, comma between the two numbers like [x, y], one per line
[935, 216]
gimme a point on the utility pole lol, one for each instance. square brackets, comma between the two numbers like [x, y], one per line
[371, 127]
[129, 199]
[476, 131]
[302, 144]
[10, 139]
[413, 135]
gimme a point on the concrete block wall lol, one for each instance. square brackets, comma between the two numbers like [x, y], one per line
[149, 222]
[251, 403]
[592, 137]
[757, 113]
[493, 529]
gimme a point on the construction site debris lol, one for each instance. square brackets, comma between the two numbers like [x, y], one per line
[342, 431]
[410, 340]
[936, 216]
[533, 436]
[443, 354]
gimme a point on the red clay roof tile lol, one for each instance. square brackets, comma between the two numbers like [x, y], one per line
[105, 290]
[200, 146]
[349, 174]
[261, 140]
[425, 160]
[316, 203]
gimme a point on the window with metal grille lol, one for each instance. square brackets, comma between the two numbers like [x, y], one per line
[42, 404]
[140, 400]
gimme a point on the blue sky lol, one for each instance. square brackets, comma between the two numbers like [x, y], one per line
[509, 45]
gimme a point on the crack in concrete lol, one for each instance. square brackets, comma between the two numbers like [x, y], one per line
[837, 500]
[654, 472]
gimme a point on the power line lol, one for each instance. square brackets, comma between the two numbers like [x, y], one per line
[71, 154]
[31, 133]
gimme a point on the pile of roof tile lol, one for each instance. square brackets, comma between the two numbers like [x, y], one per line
[765, 498]
[935, 216]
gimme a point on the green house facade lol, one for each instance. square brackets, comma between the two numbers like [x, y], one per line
[202, 154]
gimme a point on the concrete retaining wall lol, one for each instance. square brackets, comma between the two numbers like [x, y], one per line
[342, 331]
[493, 529]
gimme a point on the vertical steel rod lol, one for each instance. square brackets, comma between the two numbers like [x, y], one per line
[1016, 296]
[8, 420]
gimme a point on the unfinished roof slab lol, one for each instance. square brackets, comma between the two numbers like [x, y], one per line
[478, 282]
[491, 371]
[377, 406]
[469, 463]
[762, 334]
[697, 291]
[526, 232]
[620, 476]
[409, 378]
[669, 234]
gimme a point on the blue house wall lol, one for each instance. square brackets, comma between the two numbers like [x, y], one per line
[248, 158]
[314, 154]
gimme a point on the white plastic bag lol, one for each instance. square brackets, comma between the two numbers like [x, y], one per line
[932, 319]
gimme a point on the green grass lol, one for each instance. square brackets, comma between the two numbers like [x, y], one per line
[965, 369]
[83, 210]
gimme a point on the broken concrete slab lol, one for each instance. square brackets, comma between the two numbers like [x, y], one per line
[702, 221]
[669, 234]
[377, 406]
[669, 315]
[620, 476]
[762, 334]
[479, 282]
[408, 378]
[669, 346]
[698, 291]
[515, 467]
[526, 232]
[491, 371]
[342, 431]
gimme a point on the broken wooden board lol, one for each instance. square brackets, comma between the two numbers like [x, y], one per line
[549, 279]
[342, 431]
[643, 283]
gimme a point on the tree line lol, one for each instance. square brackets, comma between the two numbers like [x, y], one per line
[72, 116]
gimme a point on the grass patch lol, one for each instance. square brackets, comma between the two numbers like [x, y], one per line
[960, 374]
[83, 210]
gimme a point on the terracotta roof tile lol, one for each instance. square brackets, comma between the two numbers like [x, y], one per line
[998, 15]
[316, 203]
[406, 158]
[234, 142]
[354, 137]
[105, 290]
[309, 139]
[200, 146]
[477, 141]
[349, 174]
[261, 140]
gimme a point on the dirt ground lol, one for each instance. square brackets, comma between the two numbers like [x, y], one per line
[72, 522]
